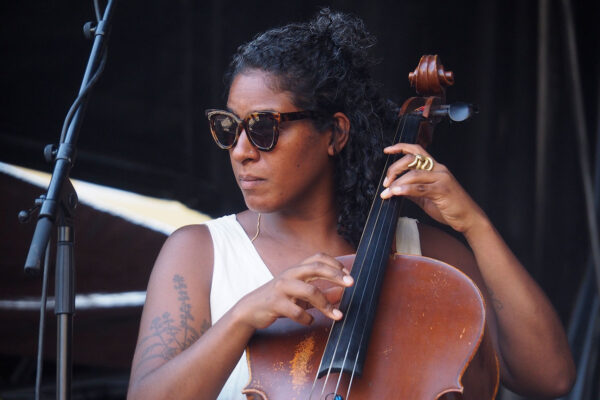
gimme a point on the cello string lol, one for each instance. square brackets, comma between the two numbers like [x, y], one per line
[399, 129]
[378, 214]
[352, 377]
[361, 262]
[370, 300]
[387, 210]
[358, 279]
[364, 296]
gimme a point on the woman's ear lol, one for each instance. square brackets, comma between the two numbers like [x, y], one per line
[340, 133]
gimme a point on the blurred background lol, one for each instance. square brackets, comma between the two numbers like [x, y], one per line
[531, 67]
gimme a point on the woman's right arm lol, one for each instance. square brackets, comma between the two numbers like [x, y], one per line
[179, 353]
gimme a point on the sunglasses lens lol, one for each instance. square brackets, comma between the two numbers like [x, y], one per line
[261, 129]
[224, 128]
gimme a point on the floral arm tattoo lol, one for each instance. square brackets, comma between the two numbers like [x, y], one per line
[168, 337]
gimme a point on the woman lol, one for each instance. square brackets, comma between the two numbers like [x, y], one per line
[304, 129]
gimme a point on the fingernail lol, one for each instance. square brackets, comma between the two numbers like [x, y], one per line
[337, 313]
[385, 193]
[348, 279]
[385, 182]
[346, 271]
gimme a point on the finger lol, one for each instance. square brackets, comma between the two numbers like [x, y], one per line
[298, 290]
[295, 313]
[416, 160]
[410, 190]
[412, 183]
[324, 258]
[397, 168]
[334, 294]
[320, 270]
[406, 148]
[419, 176]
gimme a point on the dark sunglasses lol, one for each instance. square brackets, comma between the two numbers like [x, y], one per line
[262, 127]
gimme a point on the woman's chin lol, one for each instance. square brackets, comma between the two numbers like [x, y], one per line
[258, 205]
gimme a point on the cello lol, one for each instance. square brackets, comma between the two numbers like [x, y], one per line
[413, 327]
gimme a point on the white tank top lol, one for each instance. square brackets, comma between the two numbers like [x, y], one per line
[238, 270]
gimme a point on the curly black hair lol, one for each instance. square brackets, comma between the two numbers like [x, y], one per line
[326, 66]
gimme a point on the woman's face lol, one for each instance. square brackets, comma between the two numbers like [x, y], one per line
[298, 172]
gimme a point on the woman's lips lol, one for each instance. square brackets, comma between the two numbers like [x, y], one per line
[250, 182]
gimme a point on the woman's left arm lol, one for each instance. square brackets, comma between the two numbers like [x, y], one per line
[534, 353]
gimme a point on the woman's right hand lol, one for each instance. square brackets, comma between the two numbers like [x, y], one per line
[292, 292]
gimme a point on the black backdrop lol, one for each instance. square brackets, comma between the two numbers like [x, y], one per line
[144, 129]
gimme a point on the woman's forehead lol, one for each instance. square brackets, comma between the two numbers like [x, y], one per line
[255, 90]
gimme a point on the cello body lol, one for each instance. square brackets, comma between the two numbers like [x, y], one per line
[428, 342]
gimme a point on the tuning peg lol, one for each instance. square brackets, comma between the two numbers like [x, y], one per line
[457, 112]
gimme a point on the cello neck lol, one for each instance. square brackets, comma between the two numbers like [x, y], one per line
[347, 345]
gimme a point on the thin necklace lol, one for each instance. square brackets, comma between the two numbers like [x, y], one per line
[257, 229]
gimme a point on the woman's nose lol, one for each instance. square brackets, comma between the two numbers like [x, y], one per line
[244, 149]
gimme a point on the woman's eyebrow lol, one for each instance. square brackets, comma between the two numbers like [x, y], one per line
[228, 109]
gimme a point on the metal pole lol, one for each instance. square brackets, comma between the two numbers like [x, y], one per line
[64, 309]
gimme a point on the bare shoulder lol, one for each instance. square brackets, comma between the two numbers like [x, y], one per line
[183, 245]
[187, 252]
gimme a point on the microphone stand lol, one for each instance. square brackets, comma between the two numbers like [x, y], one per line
[58, 206]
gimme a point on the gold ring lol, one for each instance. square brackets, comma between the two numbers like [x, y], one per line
[421, 162]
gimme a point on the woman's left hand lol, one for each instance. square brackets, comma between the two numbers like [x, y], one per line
[436, 191]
